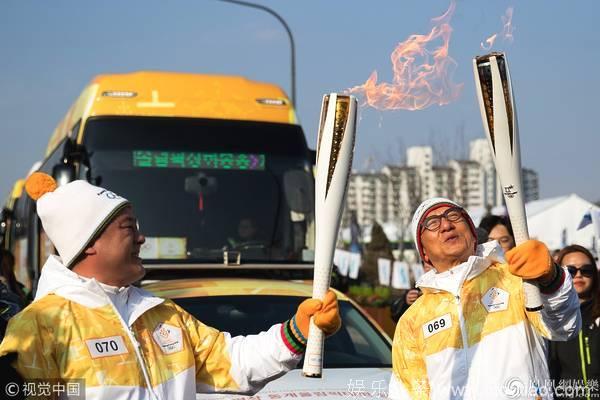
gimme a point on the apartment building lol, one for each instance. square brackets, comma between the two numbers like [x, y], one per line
[393, 193]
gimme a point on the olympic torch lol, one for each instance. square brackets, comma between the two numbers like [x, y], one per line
[499, 115]
[335, 147]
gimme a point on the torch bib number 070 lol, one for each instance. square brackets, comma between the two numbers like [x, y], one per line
[107, 346]
[437, 325]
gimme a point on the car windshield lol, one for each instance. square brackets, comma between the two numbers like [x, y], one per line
[356, 345]
[201, 187]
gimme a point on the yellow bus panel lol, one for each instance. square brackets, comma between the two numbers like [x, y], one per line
[170, 94]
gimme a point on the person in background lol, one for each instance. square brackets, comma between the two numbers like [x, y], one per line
[10, 303]
[88, 321]
[555, 254]
[575, 364]
[378, 247]
[7, 275]
[499, 228]
[401, 304]
[246, 233]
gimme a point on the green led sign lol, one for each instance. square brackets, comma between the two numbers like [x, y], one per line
[172, 159]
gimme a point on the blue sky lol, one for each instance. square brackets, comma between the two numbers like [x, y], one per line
[48, 54]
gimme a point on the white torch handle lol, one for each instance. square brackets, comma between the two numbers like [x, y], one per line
[499, 116]
[518, 220]
[335, 148]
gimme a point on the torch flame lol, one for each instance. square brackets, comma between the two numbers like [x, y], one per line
[508, 28]
[417, 83]
[507, 31]
[490, 42]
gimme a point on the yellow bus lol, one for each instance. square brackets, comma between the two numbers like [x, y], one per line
[217, 168]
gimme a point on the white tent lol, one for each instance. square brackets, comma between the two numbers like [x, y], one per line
[555, 221]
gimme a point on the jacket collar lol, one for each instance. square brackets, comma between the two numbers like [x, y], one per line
[58, 279]
[452, 280]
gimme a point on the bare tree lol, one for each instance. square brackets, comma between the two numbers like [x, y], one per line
[439, 146]
[460, 144]
[401, 150]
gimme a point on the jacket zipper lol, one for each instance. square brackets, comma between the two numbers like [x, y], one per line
[463, 332]
[587, 350]
[136, 347]
[582, 357]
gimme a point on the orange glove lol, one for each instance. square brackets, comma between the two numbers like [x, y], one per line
[326, 316]
[530, 260]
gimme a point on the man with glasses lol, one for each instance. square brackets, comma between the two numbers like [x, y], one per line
[469, 336]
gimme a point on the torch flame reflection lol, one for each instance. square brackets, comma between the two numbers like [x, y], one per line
[417, 83]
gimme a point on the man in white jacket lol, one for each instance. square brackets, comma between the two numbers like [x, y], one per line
[88, 323]
[468, 336]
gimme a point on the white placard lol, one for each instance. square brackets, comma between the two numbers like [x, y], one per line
[172, 247]
[341, 258]
[354, 266]
[400, 278]
[149, 249]
[384, 267]
[164, 247]
[417, 271]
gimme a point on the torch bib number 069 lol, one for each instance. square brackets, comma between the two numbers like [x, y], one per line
[437, 325]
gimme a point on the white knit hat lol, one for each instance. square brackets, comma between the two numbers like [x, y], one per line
[73, 214]
[423, 210]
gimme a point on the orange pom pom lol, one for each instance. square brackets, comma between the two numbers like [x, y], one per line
[39, 184]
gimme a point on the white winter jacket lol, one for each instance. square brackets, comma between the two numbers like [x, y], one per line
[72, 330]
[469, 337]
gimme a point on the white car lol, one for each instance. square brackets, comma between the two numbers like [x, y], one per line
[357, 359]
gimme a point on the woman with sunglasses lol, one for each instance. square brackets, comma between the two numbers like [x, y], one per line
[577, 362]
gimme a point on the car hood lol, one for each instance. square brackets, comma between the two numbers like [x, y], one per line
[338, 384]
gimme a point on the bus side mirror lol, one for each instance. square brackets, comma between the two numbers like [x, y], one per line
[4, 217]
[299, 191]
[63, 173]
[312, 156]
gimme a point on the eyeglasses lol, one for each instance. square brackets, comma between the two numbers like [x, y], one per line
[433, 223]
[587, 270]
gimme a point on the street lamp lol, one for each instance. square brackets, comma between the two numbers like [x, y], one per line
[289, 32]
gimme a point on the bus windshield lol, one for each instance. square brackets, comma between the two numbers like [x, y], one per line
[202, 188]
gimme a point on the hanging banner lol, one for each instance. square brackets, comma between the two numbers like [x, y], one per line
[384, 266]
[400, 278]
[354, 266]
